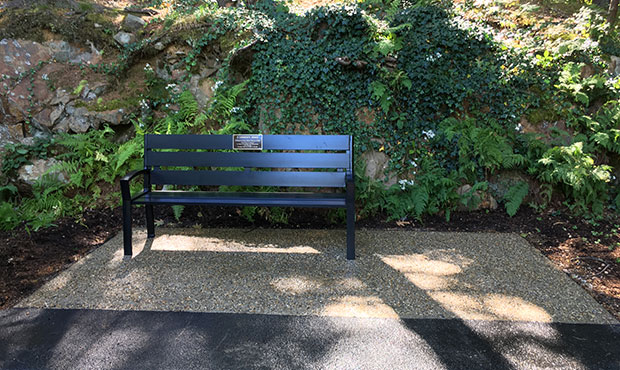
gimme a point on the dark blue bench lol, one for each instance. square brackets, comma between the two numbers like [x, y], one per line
[285, 161]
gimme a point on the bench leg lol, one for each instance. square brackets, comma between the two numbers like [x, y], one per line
[127, 228]
[150, 223]
[350, 231]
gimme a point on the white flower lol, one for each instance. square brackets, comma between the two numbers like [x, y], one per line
[404, 183]
[432, 58]
[519, 128]
[428, 133]
[148, 67]
[216, 86]
[45, 77]
[171, 86]
[235, 110]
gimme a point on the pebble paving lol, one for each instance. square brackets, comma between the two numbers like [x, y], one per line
[397, 274]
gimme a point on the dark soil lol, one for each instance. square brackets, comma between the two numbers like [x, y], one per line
[587, 251]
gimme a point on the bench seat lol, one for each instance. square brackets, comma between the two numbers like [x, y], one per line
[261, 199]
[320, 166]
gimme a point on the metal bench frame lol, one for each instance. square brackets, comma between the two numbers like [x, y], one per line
[298, 161]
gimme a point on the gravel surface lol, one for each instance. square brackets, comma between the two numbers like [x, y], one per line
[103, 339]
[397, 274]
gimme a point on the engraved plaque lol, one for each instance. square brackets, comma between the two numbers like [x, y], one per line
[248, 141]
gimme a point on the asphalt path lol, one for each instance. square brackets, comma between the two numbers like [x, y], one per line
[100, 339]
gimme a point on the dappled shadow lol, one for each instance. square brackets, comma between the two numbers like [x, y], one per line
[440, 280]
[139, 340]
[38, 339]
[492, 315]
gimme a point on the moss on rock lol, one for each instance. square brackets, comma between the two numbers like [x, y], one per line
[37, 22]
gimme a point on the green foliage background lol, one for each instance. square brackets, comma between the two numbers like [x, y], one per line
[446, 100]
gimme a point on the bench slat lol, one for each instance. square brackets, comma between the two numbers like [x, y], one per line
[245, 159]
[249, 178]
[270, 142]
[244, 199]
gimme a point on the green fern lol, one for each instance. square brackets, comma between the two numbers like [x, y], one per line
[178, 211]
[132, 148]
[224, 102]
[481, 147]
[514, 197]
[575, 171]
[233, 126]
[188, 106]
[420, 200]
[604, 128]
[471, 199]
[432, 191]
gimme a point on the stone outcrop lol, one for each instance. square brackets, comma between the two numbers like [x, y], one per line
[241, 63]
[125, 38]
[478, 200]
[31, 173]
[376, 167]
[31, 104]
[133, 23]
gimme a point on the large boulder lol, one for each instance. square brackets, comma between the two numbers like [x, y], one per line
[112, 117]
[376, 167]
[19, 56]
[133, 23]
[31, 173]
[77, 119]
[475, 201]
[31, 99]
[11, 133]
[125, 38]
[63, 52]
[500, 183]
[202, 89]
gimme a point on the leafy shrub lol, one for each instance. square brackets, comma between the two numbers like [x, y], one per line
[604, 128]
[481, 147]
[433, 190]
[582, 181]
[9, 218]
[17, 155]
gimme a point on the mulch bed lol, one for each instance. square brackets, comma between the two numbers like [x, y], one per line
[587, 251]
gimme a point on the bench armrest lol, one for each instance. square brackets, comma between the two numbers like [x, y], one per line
[125, 192]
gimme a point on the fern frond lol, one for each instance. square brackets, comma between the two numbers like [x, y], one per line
[178, 211]
[126, 151]
[420, 198]
[188, 106]
[514, 197]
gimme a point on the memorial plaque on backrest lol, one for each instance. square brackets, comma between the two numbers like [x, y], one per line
[248, 142]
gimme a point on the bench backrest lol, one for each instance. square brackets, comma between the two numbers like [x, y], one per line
[284, 160]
